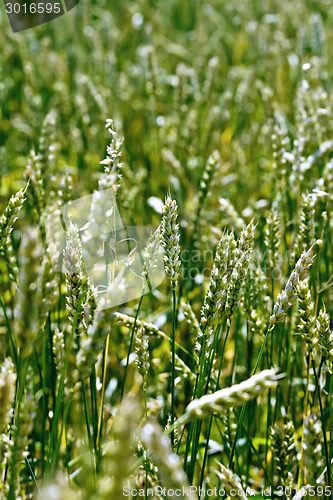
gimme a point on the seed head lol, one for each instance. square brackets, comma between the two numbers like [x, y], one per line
[312, 448]
[170, 240]
[207, 176]
[231, 482]
[142, 353]
[7, 392]
[306, 315]
[112, 164]
[170, 469]
[216, 295]
[272, 234]
[306, 233]
[18, 449]
[325, 337]
[150, 253]
[286, 298]
[10, 215]
[28, 296]
[118, 455]
[76, 280]
[283, 446]
[231, 214]
[235, 395]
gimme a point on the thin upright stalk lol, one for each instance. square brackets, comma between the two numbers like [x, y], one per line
[241, 416]
[100, 418]
[301, 468]
[331, 415]
[323, 429]
[130, 346]
[93, 403]
[173, 347]
[211, 418]
[86, 414]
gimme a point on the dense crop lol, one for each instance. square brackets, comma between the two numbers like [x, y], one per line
[221, 141]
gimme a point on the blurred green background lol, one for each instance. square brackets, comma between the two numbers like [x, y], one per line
[180, 78]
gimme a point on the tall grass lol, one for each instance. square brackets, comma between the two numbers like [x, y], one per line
[220, 378]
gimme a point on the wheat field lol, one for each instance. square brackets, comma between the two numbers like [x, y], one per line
[166, 258]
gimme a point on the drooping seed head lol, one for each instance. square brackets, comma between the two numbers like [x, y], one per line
[235, 395]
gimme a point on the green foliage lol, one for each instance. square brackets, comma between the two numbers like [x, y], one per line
[224, 110]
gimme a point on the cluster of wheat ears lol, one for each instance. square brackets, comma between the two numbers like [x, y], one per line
[219, 381]
[58, 368]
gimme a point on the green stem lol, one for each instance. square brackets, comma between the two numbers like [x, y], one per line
[32, 474]
[86, 413]
[304, 413]
[324, 429]
[331, 416]
[145, 396]
[58, 442]
[130, 346]
[173, 362]
[9, 330]
[211, 418]
[93, 403]
[54, 443]
[241, 417]
[100, 417]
